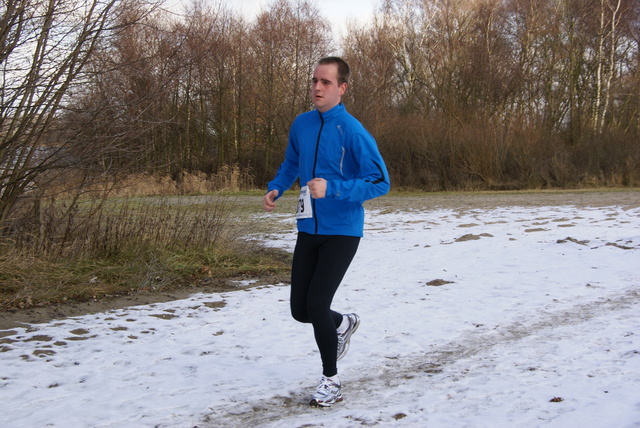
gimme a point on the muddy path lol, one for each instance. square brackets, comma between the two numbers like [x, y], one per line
[428, 368]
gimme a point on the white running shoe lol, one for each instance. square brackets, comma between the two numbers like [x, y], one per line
[344, 338]
[327, 394]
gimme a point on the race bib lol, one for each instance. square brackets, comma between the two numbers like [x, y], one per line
[304, 204]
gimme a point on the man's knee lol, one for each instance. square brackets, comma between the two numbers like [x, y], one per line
[316, 310]
[300, 315]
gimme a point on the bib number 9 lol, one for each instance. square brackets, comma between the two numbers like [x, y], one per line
[304, 204]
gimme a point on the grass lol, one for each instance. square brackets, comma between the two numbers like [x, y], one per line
[35, 282]
[130, 245]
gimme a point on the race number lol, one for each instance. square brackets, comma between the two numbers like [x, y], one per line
[304, 204]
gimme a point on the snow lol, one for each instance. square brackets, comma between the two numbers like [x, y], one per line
[534, 322]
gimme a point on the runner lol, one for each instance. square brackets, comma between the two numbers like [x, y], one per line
[339, 167]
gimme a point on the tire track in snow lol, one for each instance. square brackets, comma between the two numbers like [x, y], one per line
[418, 369]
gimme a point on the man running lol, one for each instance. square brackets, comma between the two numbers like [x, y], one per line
[339, 167]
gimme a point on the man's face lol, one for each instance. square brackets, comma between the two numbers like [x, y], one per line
[325, 91]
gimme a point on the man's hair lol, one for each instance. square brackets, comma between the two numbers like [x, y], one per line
[343, 68]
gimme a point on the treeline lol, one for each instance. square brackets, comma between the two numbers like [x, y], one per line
[506, 94]
[460, 94]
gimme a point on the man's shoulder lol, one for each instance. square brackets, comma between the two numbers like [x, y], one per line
[349, 118]
[307, 116]
[352, 124]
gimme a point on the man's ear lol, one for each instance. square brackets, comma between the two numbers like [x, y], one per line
[343, 89]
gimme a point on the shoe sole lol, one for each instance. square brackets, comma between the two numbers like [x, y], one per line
[316, 403]
[347, 340]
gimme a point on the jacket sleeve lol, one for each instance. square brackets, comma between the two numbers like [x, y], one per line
[372, 178]
[288, 171]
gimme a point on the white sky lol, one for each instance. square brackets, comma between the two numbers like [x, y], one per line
[338, 12]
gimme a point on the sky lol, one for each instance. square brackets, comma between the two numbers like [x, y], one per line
[338, 12]
[508, 316]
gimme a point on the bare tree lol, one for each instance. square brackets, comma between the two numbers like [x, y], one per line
[481, 91]
[374, 75]
[613, 37]
[45, 46]
[287, 39]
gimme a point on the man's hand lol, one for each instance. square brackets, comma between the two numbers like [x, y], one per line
[269, 202]
[317, 188]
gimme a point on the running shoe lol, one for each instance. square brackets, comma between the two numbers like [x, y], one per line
[327, 394]
[344, 338]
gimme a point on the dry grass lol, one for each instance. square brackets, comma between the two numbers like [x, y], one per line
[77, 250]
[32, 282]
[229, 179]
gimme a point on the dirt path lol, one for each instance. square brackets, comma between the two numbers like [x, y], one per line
[425, 368]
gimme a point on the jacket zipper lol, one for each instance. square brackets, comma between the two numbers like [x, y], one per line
[313, 171]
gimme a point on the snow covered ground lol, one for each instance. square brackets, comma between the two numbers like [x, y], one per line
[505, 317]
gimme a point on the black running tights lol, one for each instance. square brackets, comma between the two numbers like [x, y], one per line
[319, 264]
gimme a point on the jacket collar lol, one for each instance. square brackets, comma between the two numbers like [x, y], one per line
[333, 112]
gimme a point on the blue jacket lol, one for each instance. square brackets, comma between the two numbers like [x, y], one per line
[333, 145]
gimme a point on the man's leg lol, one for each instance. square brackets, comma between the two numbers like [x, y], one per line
[334, 257]
[305, 259]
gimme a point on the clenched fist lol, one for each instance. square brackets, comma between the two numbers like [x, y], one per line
[317, 188]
